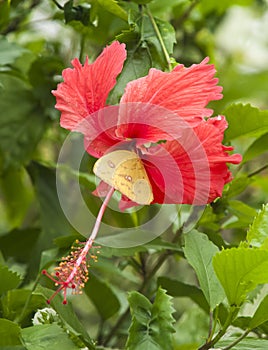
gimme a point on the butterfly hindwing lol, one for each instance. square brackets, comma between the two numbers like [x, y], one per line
[125, 171]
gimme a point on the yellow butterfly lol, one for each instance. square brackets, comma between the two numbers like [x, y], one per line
[124, 171]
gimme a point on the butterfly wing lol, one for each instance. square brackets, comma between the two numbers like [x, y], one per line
[124, 171]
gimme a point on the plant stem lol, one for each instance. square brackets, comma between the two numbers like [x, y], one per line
[222, 331]
[242, 336]
[159, 37]
[256, 172]
[213, 325]
[58, 5]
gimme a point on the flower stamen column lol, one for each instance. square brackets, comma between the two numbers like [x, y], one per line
[72, 272]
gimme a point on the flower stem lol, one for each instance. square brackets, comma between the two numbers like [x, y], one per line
[72, 272]
[92, 237]
[159, 37]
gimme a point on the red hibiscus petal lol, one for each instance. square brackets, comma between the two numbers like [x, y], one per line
[185, 91]
[86, 88]
[126, 203]
[145, 121]
[102, 189]
[199, 172]
[99, 129]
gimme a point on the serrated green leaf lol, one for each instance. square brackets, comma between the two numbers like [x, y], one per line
[98, 290]
[257, 235]
[199, 252]
[9, 333]
[9, 279]
[22, 124]
[245, 120]
[113, 7]
[177, 288]
[67, 315]
[256, 148]
[152, 324]
[261, 314]
[240, 270]
[140, 307]
[47, 336]
[162, 319]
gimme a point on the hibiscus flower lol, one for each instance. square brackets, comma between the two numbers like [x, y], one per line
[163, 118]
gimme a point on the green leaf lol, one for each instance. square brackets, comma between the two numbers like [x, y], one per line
[137, 65]
[4, 15]
[9, 52]
[140, 307]
[245, 120]
[240, 270]
[41, 76]
[47, 336]
[142, 2]
[9, 279]
[152, 324]
[16, 193]
[9, 333]
[79, 13]
[98, 291]
[245, 344]
[113, 7]
[237, 186]
[53, 221]
[257, 235]
[221, 6]
[22, 124]
[192, 328]
[256, 148]
[13, 304]
[157, 245]
[25, 242]
[243, 213]
[261, 314]
[199, 252]
[176, 288]
[148, 35]
[67, 315]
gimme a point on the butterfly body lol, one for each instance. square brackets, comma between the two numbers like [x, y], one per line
[125, 171]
